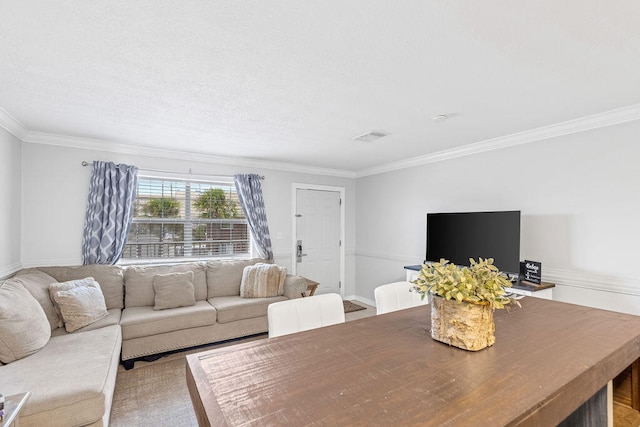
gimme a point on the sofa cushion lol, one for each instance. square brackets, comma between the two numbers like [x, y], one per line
[139, 282]
[174, 290]
[71, 379]
[113, 318]
[37, 283]
[262, 280]
[80, 302]
[24, 328]
[145, 321]
[234, 308]
[224, 276]
[108, 276]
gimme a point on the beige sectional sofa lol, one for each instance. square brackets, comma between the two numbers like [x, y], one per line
[219, 313]
[72, 378]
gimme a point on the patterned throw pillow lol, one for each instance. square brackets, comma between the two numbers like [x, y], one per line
[262, 280]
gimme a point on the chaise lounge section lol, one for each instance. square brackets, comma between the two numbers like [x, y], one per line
[72, 377]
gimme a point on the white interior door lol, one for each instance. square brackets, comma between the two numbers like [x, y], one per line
[318, 238]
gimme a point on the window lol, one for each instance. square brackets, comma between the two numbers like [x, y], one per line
[176, 218]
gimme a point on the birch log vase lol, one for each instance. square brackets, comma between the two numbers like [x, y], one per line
[463, 324]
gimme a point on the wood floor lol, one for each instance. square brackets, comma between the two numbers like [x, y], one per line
[155, 393]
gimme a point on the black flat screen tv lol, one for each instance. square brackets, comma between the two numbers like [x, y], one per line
[458, 236]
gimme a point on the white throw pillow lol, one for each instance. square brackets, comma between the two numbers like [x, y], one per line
[24, 328]
[80, 302]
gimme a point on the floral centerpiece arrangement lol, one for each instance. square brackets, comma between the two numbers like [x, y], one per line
[476, 291]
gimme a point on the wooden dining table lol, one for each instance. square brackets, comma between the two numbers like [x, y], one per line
[551, 360]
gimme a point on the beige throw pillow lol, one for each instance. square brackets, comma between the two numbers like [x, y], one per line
[174, 290]
[80, 302]
[37, 283]
[262, 280]
[24, 328]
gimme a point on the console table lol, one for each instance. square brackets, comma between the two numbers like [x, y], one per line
[551, 361]
[311, 288]
[544, 290]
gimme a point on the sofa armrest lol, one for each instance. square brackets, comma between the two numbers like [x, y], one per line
[294, 286]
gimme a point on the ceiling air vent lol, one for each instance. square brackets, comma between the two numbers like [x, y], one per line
[369, 136]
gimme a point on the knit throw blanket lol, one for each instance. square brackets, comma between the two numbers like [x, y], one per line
[262, 280]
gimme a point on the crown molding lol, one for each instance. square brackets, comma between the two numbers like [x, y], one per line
[35, 137]
[582, 124]
[12, 125]
[595, 121]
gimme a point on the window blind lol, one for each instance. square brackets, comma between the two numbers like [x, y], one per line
[178, 218]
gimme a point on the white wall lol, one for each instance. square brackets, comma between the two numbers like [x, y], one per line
[580, 201]
[10, 197]
[55, 197]
[578, 195]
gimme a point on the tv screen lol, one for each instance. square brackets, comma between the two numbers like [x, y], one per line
[458, 236]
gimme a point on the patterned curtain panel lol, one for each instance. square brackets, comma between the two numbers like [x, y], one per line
[250, 194]
[112, 193]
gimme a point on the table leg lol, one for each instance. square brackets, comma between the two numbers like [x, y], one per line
[635, 385]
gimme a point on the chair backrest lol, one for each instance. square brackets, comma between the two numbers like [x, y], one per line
[396, 296]
[301, 314]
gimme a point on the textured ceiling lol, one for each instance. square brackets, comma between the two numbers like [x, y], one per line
[293, 81]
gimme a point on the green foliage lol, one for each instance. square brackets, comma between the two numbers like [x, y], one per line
[159, 207]
[481, 282]
[213, 203]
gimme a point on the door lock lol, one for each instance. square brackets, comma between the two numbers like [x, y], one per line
[299, 253]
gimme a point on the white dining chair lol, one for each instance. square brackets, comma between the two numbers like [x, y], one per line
[396, 296]
[301, 314]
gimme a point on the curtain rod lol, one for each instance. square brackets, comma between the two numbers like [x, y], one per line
[85, 163]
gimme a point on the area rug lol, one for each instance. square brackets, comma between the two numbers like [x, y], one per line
[352, 306]
[153, 395]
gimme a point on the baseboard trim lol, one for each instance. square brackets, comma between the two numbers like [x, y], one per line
[53, 262]
[9, 270]
[361, 299]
